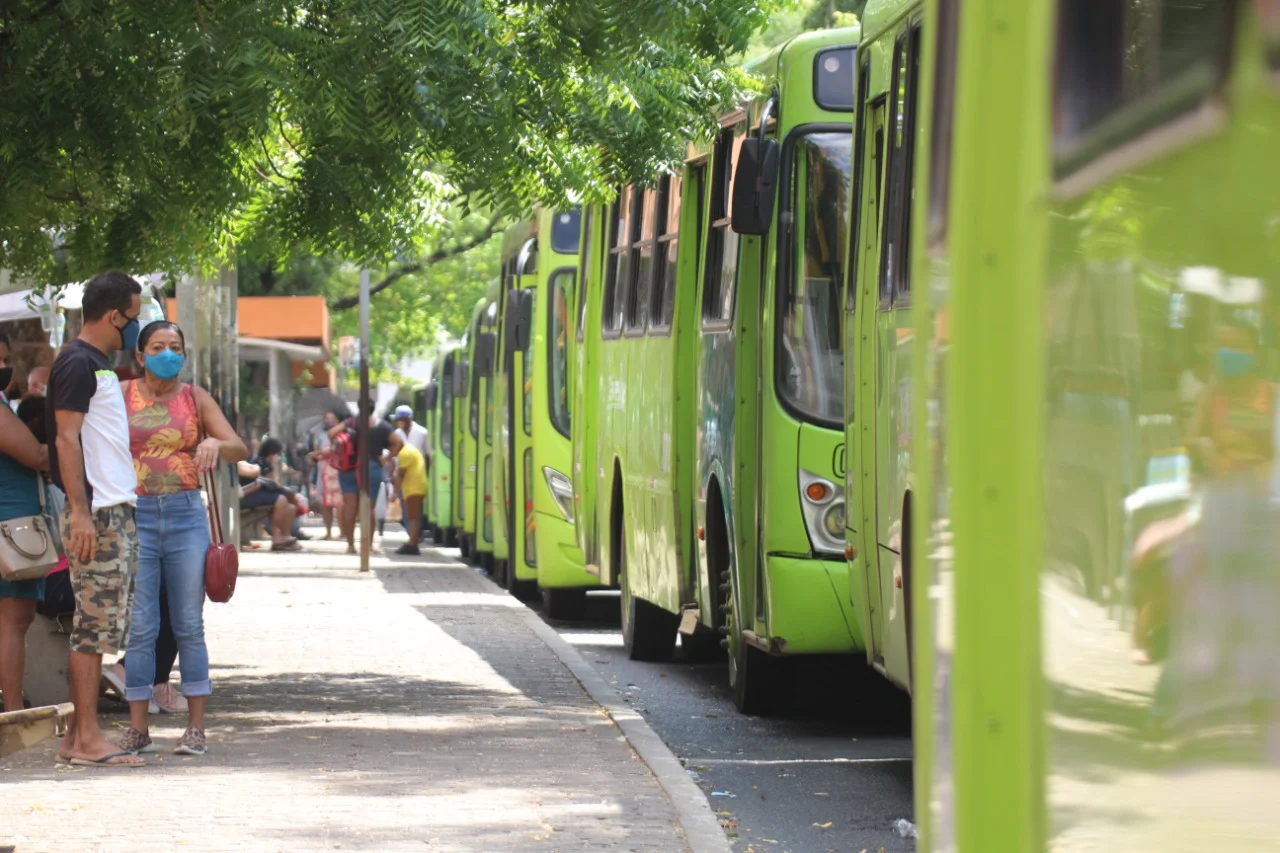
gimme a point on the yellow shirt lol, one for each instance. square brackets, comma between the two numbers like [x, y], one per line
[413, 471]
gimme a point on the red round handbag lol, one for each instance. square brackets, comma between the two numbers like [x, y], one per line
[221, 561]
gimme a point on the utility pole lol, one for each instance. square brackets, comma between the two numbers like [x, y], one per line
[365, 508]
[831, 13]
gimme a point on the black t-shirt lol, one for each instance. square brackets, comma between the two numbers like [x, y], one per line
[379, 437]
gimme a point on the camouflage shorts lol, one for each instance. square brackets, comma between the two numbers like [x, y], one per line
[104, 585]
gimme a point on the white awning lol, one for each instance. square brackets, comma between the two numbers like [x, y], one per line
[260, 349]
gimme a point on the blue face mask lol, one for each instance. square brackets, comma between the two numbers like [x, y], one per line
[165, 364]
[1232, 363]
[129, 335]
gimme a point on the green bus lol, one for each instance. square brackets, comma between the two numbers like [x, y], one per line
[877, 321]
[442, 423]
[1096, 349]
[532, 408]
[719, 505]
[472, 491]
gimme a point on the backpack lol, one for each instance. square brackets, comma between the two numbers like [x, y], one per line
[345, 454]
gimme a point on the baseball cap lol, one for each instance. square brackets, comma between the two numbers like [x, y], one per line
[403, 412]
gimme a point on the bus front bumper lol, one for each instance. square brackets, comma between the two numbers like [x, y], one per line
[560, 562]
[808, 607]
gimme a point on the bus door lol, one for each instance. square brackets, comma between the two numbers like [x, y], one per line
[865, 364]
[886, 424]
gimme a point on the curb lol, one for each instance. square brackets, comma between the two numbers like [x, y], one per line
[698, 820]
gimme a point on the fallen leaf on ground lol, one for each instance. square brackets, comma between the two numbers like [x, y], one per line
[826, 825]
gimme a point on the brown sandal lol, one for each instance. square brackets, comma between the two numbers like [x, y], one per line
[286, 545]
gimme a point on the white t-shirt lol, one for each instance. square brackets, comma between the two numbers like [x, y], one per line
[82, 381]
[417, 437]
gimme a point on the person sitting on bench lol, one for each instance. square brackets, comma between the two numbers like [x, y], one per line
[260, 490]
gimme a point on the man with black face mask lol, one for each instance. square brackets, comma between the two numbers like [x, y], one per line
[90, 460]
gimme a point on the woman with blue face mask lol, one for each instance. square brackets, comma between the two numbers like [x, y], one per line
[176, 433]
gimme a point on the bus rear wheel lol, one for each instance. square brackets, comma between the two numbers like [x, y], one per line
[648, 631]
[464, 545]
[564, 604]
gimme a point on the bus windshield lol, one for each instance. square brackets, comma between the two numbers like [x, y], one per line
[810, 360]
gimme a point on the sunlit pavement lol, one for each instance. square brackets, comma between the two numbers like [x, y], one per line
[409, 708]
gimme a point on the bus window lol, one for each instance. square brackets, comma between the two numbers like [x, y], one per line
[722, 242]
[444, 430]
[664, 281]
[566, 231]
[810, 359]
[895, 263]
[642, 262]
[1159, 57]
[618, 276]
[527, 380]
[859, 152]
[474, 414]
[562, 286]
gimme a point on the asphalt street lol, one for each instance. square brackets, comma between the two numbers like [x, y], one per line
[833, 773]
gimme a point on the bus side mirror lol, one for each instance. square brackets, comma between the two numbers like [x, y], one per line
[461, 379]
[485, 345]
[433, 393]
[754, 186]
[519, 319]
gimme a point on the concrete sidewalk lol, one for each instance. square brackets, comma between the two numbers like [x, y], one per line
[412, 708]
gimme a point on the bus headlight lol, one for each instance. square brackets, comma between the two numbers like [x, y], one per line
[562, 490]
[822, 503]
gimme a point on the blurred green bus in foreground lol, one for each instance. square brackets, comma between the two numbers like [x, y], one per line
[1095, 240]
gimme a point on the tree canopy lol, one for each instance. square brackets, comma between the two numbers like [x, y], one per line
[157, 135]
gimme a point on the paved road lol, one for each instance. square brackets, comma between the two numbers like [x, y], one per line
[833, 774]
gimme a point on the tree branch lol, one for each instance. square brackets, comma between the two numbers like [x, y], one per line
[348, 302]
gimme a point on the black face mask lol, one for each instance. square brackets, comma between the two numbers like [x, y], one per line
[6, 376]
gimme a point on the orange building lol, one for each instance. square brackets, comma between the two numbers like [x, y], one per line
[300, 320]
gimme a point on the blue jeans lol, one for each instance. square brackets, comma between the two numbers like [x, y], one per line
[349, 484]
[173, 536]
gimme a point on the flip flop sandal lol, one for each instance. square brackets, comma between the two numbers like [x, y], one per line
[290, 545]
[106, 761]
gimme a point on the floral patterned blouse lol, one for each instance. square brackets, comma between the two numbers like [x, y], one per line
[163, 439]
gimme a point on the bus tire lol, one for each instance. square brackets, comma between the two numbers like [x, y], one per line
[564, 604]
[449, 537]
[757, 679]
[485, 561]
[464, 546]
[648, 631]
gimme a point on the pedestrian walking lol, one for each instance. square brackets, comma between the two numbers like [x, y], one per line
[176, 433]
[411, 482]
[326, 474]
[22, 457]
[90, 461]
[418, 436]
[382, 438]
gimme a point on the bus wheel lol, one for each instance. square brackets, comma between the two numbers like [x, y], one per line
[564, 604]
[488, 566]
[464, 545]
[648, 631]
[449, 537]
[521, 590]
[758, 679]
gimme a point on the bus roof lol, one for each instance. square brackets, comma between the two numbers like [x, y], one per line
[882, 14]
[767, 65]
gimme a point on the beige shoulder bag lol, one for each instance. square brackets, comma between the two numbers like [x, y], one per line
[29, 546]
